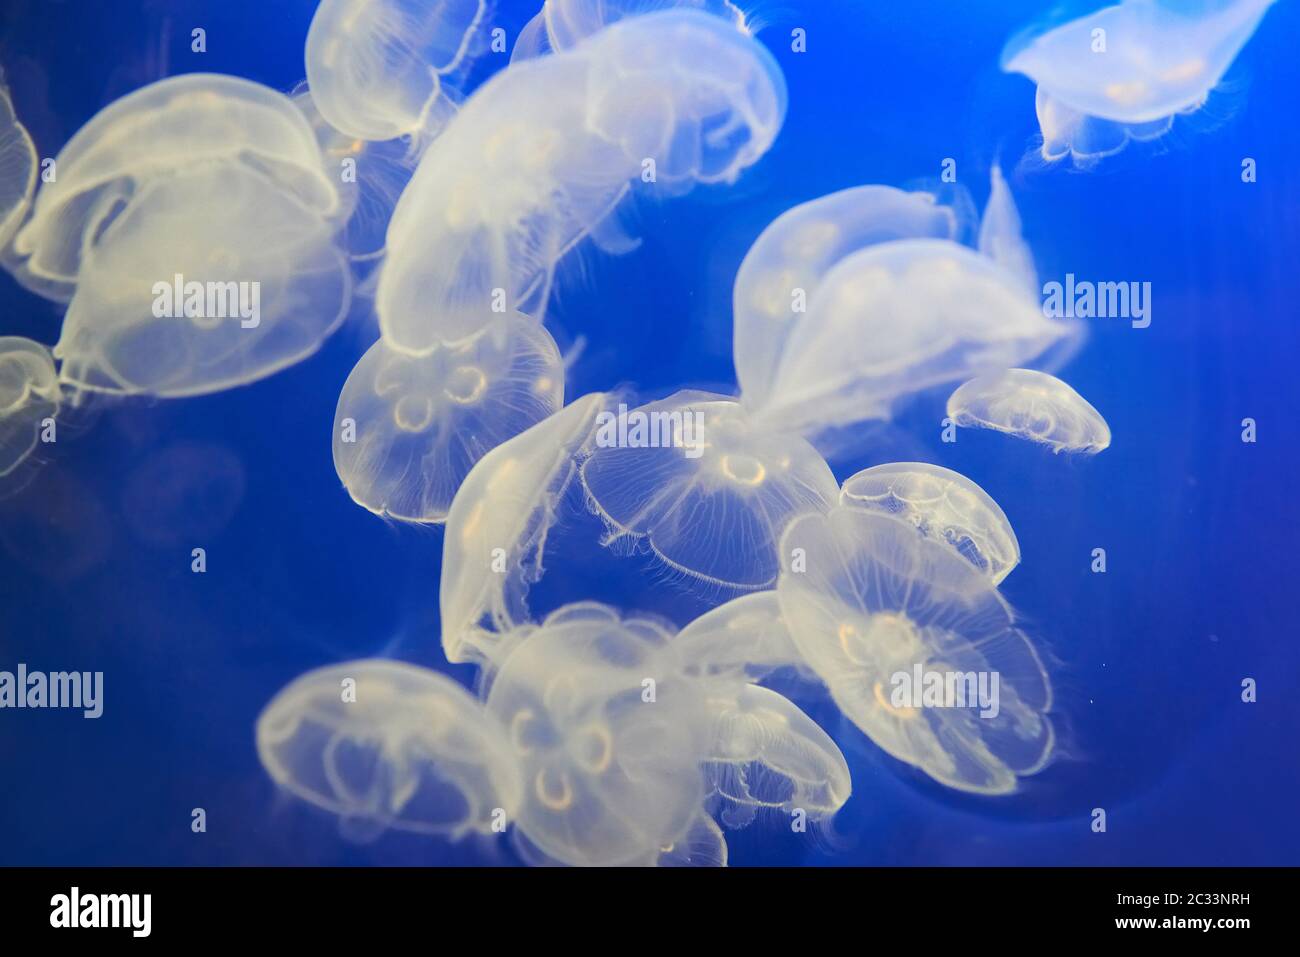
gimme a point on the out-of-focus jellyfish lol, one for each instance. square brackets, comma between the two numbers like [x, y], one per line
[707, 491]
[377, 68]
[175, 124]
[1031, 405]
[1125, 71]
[17, 168]
[387, 745]
[560, 24]
[918, 649]
[497, 528]
[29, 399]
[853, 301]
[739, 642]
[187, 492]
[168, 308]
[763, 752]
[408, 429]
[608, 740]
[543, 152]
[943, 505]
[58, 527]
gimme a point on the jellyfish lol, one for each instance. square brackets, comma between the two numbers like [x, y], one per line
[378, 67]
[17, 168]
[764, 753]
[173, 125]
[544, 152]
[918, 649]
[847, 304]
[29, 400]
[706, 491]
[1031, 405]
[210, 279]
[408, 429]
[497, 527]
[561, 24]
[739, 642]
[1125, 71]
[370, 175]
[608, 740]
[942, 505]
[187, 492]
[387, 745]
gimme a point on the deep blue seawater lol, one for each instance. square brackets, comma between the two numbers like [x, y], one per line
[1200, 529]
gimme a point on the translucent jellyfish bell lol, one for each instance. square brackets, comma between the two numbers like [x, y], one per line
[560, 24]
[17, 168]
[766, 753]
[847, 304]
[29, 395]
[172, 125]
[738, 642]
[791, 257]
[377, 67]
[497, 527]
[944, 506]
[707, 491]
[1031, 405]
[389, 745]
[608, 741]
[883, 614]
[543, 152]
[167, 308]
[408, 429]
[1126, 70]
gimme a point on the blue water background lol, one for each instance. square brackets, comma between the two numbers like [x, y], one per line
[1200, 529]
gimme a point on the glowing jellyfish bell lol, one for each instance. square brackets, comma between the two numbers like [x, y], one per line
[765, 753]
[918, 649]
[176, 124]
[497, 527]
[561, 24]
[1031, 405]
[1125, 71]
[29, 397]
[849, 303]
[944, 506]
[18, 164]
[387, 745]
[169, 308]
[378, 68]
[543, 153]
[408, 429]
[703, 488]
[739, 642]
[607, 739]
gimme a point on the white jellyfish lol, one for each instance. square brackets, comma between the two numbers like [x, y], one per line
[763, 752]
[560, 24]
[740, 641]
[918, 649]
[944, 506]
[1125, 71]
[173, 125]
[497, 528]
[377, 68]
[209, 279]
[408, 429]
[17, 168]
[29, 400]
[387, 745]
[608, 740]
[847, 304]
[1031, 405]
[703, 488]
[543, 152]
